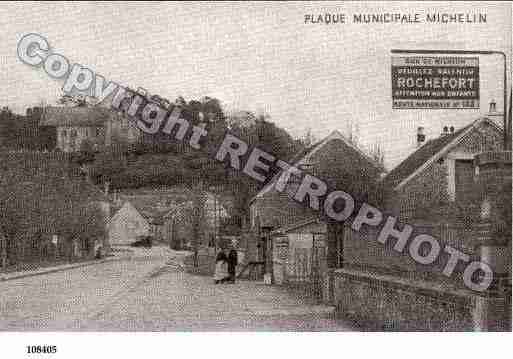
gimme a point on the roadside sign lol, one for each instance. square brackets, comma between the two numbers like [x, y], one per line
[55, 239]
[435, 82]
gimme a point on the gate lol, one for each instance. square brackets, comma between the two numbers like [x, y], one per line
[307, 268]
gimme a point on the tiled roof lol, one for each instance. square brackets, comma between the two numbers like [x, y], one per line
[75, 116]
[419, 157]
[153, 204]
[330, 160]
[301, 157]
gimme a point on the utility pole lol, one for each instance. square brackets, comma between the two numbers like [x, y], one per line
[3, 247]
[215, 222]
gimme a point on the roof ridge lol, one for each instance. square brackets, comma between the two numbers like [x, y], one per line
[432, 149]
[335, 134]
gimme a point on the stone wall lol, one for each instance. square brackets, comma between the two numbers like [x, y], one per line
[361, 250]
[387, 303]
[427, 189]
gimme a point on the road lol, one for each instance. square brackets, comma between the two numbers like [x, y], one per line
[143, 293]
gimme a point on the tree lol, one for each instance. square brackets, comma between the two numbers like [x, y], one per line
[86, 153]
[308, 139]
[198, 216]
[108, 166]
[378, 155]
[353, 132]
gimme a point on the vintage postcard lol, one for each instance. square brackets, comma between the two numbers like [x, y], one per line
[254, 167]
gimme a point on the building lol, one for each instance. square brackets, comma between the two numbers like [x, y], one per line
[299, 229]
[74, 125]
[166, 215]
[433, 191]
[440, 171]
[178, 224]
[121, 129]
[96, 125]
[443, 189]
[126, 225]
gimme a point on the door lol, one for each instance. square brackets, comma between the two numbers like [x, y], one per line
[319, 263]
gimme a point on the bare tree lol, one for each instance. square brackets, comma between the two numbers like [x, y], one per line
[378, 155]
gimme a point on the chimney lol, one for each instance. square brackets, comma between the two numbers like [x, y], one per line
[493, 107]
[421, 137]
[451, 129]
[494, 115]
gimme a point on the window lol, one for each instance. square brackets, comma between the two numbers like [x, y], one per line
[464, 178]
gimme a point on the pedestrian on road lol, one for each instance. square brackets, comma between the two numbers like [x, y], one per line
[221, 270]
[232, 262]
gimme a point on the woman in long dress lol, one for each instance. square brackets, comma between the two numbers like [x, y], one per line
[221, 270]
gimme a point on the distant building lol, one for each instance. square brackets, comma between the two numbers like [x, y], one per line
[97, 125]
[120, 128]
[166, 215]
[126, 225]
[76, 124]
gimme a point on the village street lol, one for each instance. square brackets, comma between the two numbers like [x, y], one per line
[143, 293]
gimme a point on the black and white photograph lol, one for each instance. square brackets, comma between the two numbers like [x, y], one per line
[310, 168]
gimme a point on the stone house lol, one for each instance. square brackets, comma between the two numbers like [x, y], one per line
[126, 225]
[433, 190]
[165, 214]
[275, 214]
[430, 190]
[441, 171]
[97, 125]
[74, 125]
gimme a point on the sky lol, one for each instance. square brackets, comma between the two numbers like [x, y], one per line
[260, 57]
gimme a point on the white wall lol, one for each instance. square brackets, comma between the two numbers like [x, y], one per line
[126, 225]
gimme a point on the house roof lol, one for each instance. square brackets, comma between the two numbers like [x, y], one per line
[290, 227]
[153, 204]
[148, 208]
[428, 153]
[302, 157]
[79, 116]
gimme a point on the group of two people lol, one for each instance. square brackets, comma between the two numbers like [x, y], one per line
[225, 267]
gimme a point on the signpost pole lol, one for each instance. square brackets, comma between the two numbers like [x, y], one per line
[507, 124]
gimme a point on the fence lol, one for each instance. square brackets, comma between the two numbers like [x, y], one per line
[36, 249]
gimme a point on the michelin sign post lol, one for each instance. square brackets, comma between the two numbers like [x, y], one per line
[435, 82]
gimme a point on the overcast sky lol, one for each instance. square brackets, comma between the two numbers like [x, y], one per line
[258, 56]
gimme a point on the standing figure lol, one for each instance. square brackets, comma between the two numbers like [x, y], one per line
[221, 270]
[232, 263]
